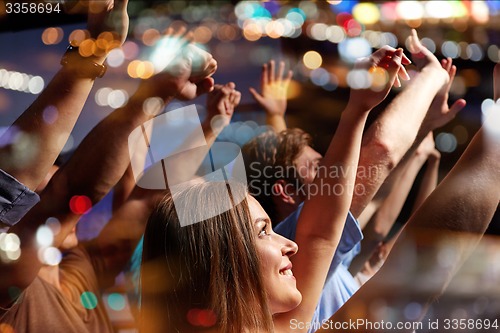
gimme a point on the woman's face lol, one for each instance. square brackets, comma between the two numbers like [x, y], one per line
[276, 269]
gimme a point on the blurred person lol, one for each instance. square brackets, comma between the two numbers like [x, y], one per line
[64, 295]
[21, 172]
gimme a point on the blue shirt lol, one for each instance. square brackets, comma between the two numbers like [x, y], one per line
[340, 284]
[15, 200]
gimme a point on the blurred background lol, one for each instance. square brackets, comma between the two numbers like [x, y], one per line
[319, 41]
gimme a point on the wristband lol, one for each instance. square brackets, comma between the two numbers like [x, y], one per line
[83, 67]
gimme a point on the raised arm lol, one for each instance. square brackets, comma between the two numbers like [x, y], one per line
[429, 180]
[322, 219]
[273, 98]
[383, 220]
[66, 94]
[401, 126]
[453, 217]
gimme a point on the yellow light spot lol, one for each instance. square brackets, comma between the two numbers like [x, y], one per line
[366, 13]
[294, 90]
[380, 77]
[145, 69]
[87, 48]
[414, 23]
[101, 46]
[150, 36]
[312, 59]
[51, 36]
[78, 36]
[132, 69]
[107, 36]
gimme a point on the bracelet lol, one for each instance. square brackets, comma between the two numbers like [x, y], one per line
[83, 67]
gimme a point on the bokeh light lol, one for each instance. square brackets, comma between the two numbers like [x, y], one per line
[118, 98]
[115, 58]
[50, 114]
[44, 236]
[446, 142]
[366, 13]
[201, 317]
[80, 204]
[50, 256]
[116, 301]
[354, 48]
[153, 106]
[410, 10]
[89, 300]
[312, 59]
[52, 36]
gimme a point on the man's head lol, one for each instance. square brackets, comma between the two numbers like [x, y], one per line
[279, 167]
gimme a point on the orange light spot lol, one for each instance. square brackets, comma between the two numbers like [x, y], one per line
[150, 36]
[132, 69]
[78, 36]
[87, 48]
[202, 34]
[51, 36]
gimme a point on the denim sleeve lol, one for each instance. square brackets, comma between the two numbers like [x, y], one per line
[15, 199]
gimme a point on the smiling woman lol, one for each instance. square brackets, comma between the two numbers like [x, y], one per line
[209, 273]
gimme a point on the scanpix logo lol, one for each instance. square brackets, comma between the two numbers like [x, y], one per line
[170, 152]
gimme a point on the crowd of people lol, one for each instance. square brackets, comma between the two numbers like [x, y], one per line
[282, 239]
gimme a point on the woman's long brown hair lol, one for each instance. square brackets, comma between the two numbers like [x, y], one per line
[211, 266]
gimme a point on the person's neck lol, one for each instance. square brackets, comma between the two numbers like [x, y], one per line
[283, 210]
[50, 274]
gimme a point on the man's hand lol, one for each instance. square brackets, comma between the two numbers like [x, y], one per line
[439, 113]
[381, 70]
[221, 103]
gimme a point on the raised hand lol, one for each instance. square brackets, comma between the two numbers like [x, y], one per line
[109, 15]
[221, 103]
[183, 70]
[420, 55]
[274, 89]
[439, 113]
[382, 70]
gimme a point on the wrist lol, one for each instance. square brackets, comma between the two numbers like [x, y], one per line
[164, 90]
[274, 115]
[437, 75]
[76, 62]
[356, 107]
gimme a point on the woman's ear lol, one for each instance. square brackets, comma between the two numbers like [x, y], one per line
[279, 191]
